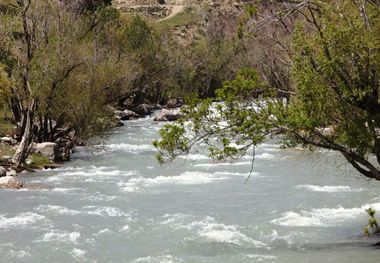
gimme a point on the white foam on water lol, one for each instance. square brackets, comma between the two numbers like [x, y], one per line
[212, 231]
[158, 259]
[269, 147]
[87, 174]
[194, 157]
[97, 197]
[21, 220]
[322, 217]
[104, 232]
[208, 230]
[106, 211]
[19, 253]
[265, 156]
[186, 178]
[328, 188]
[297, 219]
[78, 254]
[286, 240]
[65, 190]
[60, 236]
[211, 165]
[130, 148]
[261, 258]
[125, 229]
[56, 209]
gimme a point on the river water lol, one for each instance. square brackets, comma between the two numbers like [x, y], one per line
[116, 204]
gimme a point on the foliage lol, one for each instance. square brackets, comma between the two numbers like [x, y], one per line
[372, 228]
[38, 161]
[188, 16]
[334, 103]
[5, 85]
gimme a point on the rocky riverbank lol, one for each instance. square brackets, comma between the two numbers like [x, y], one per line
[49, 155]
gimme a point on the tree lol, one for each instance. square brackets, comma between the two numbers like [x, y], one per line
[54, 62]
[334, 103]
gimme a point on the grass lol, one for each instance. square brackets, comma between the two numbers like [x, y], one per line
[6, 150]
[6, 127]
[189, 15]
[38, 161]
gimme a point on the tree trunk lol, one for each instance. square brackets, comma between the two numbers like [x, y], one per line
[23, 149]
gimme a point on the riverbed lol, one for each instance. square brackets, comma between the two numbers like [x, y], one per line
[115, 203]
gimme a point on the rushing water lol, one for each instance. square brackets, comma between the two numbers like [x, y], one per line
[116, 204]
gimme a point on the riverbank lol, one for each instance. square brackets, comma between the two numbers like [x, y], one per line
[51, 155]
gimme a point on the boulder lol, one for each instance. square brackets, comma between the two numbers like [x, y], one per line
[174, 103]
[47, 149]
[144, 109]
[10, 182]
[168, 115]
[64, 154]
[8, 140]
[12, 173]
[131, 114]
[6, 158]
[3, 171]
[127, 114]
[120, 115]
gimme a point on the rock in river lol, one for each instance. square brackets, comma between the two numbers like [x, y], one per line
[47, 149]
[168, 115]
[10, 182]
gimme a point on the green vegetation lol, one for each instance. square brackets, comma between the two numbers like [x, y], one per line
[372, 228]
[66, 72]
[6, 150]
[187, 16]
[329, 99]
[38, 161]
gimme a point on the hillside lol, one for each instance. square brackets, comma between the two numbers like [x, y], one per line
[185, 18]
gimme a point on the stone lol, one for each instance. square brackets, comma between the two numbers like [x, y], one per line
[64, 154]
[6, 158]
[120, 115]
[10, 182]
[8, 140]
[131, 114]
[144, 109]
[174, 103]
[168, 115]
[12, 173]
[47, 149]
[126, 115]
[3, 171]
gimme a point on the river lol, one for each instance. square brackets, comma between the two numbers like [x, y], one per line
[116, 204]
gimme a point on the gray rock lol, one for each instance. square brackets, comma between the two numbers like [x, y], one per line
[174, 103]
[120, 115]
[144, 109]
[3, 171]
[125, 115]
[168, 115]
[131, 114]
[10, 182]
[47, 149]
[64, 154]
[12, 173]
[8, 140]
[6, 158]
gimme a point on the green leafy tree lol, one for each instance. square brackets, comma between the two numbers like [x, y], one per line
[65, 71]
[334, 104]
